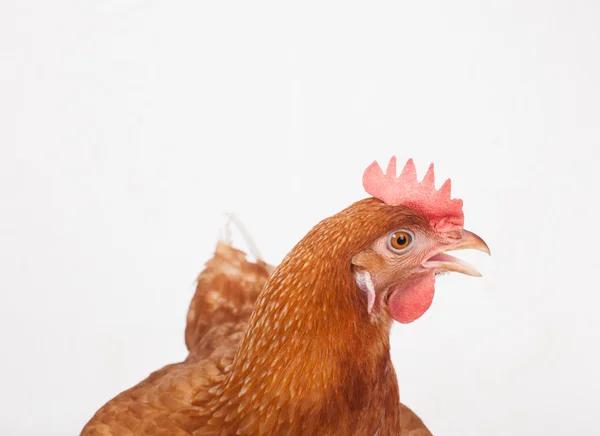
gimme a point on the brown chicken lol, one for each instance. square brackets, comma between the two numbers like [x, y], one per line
[307, 352]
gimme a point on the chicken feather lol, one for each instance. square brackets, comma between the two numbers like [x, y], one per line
[167, 402]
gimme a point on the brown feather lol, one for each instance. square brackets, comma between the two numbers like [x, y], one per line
[311, 362]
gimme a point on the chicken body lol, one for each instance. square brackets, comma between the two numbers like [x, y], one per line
[193, 397]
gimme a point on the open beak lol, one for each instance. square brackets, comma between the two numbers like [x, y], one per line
[441, 261]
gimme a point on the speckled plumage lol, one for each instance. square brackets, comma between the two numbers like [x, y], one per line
[304, 358]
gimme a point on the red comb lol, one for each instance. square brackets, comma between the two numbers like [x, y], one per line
[443, 212]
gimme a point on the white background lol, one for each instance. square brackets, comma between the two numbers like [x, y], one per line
[128, 127]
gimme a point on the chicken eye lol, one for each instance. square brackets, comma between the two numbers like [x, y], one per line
[400, 240]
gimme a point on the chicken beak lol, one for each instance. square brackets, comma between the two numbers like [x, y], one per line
[472, 241]
[441, 261]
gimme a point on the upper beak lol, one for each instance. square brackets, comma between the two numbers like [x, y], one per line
[444, 262]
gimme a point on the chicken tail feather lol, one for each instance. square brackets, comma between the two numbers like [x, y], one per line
[226, 291]
[252, 247]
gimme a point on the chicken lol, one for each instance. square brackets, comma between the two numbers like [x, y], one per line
[311, 355]
[218, 316]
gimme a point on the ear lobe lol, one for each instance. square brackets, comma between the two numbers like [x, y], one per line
[365, 284]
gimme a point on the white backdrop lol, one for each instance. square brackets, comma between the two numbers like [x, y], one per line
[128, 127]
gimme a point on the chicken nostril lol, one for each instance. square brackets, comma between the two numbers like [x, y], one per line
[454, 235]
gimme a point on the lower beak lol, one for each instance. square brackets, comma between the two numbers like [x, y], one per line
[441, 261]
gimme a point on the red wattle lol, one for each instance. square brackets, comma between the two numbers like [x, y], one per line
[407, 303]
